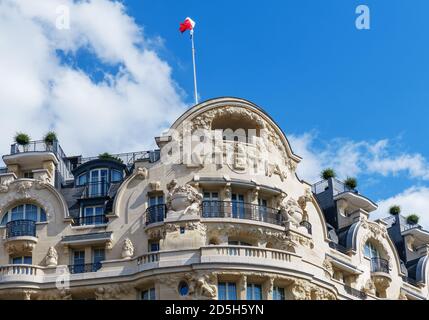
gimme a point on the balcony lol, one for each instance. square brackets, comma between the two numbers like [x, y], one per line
[338, 247]
[155, 214]
[89, 220]
[84, 268]
[355, 292]
[20, 236]
[20, 228]
[379, 265]
[240, 210]
[97, 189]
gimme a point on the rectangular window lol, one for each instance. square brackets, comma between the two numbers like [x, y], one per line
[263, 209]
[28, 175]
[153, 246]
[238, 208]
[148, 294]
[157, 208]
[78, 261]
[254, 291]
[211, 205]
[22, 260]
[98, 255]
[227, 291]
[278, 293]
[93, 216]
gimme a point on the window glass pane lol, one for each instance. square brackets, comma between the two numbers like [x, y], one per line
[17, 213]
[30, 212]
[278, 293]
[145, 295]
[152, 294]
[17, 260]
[222, 291]
[81, 180]
[116, 175]
[28, 260]
[154, 247]
[232, 291]
[5, 219]
[42, 215]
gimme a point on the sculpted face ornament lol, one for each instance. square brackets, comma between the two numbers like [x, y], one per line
[127, 249]
[51, 258]
[183, 200]
[292, 212]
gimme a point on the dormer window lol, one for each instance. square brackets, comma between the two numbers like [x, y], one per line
[117, 176]
[81, 180]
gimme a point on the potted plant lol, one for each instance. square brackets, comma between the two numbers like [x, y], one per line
[395, 210]
[49, 139]
[23, 140]
[108, 156]
[328, 174]
[413, 219]
[351, 183]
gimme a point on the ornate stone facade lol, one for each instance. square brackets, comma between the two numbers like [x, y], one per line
[175, 230]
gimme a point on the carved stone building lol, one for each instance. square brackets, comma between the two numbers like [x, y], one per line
[217, 212]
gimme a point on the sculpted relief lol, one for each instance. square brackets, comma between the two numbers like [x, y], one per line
[183, 200]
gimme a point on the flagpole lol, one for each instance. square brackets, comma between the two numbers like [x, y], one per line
[195, 68]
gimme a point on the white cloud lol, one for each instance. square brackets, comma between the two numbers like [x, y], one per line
[414, 200]
[38, 92]
[354, 158]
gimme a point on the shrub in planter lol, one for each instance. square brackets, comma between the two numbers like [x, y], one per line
[328, 173]
[49, 139]
[22, 139]
[108, 156]
[351, 183]
[395, 210]
[413, 219]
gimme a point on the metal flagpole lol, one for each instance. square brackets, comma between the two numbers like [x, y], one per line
[195, 68]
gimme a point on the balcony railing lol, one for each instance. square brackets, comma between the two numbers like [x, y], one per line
[21, 228]
[97, 189]
[89, 220]
[156, 213]
[84, 268]
[411, 281]
[240, 210]
[338, 247]
[379, 265]
[355, 292]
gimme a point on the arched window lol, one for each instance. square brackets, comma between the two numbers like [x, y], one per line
[24, 212]
[370, 251]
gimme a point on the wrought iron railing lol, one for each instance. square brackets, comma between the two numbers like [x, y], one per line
[84, 268]
[379, 265]
[89, 220]
[96, 189]
[21, 228]
[156, 213]
[307, 225]
[355, 292]
[338, 247]
[411, 281]
[240, 210]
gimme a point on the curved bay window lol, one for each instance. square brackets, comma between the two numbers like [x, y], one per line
[378, 264]
[27, 212]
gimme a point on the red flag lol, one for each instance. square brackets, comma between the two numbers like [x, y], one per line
[188, 24]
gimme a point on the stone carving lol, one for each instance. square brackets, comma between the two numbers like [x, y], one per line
[127, 249]
[23, 188]
[378, 234]
[155, 185]
[202, 285]
[304, 241]
[275, 169]
[369, 287]
[111, 292]
[268, 133]
[291, 165]
[301, 290]
[184, 200]
[402, 296]
[292, 212]
[302, 201]
[327, 265]
[51, 259]
[142, 173]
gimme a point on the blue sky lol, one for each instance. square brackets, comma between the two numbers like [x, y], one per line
[352, 99]
[307, 64]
